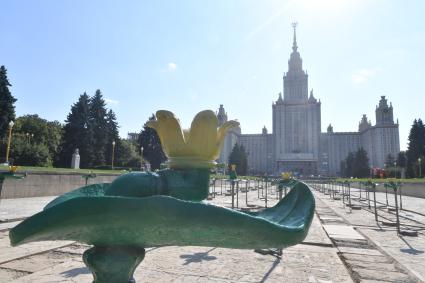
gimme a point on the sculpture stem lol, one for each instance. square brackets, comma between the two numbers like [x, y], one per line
[113, 264]
[186, 184]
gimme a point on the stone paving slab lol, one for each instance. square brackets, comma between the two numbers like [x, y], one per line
[69, 271]
[76, 248]
[368, 265]
[316, 261]
[8, 225]
[388, 276]
[37, 262]
[301, 263]
[342, 232]
[11, 209]
[409, 252]
[365, 258]
[9, 253]
[7, 275]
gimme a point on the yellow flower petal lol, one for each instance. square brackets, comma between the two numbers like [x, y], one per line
[169, 131]
[203, 134]
[196, 148]
[222, 131]
[186, 135]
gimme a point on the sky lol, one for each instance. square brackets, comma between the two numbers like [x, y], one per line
[188, 56]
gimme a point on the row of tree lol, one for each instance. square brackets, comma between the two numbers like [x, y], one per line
[412, 161]
[356, 164]
[238, 157]
[90, 127]
[93, 129]
[416, 149]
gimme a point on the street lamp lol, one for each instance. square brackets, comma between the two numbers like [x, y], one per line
[141, 158]
[395, 169]
[9, 139]
[113, 155]
[419, 161]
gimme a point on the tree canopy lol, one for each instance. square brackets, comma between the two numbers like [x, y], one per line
[152, 148]
[35, 141]
[7, 101]
[91, 128]
[416, 148]
[238, 157]
[356, 164]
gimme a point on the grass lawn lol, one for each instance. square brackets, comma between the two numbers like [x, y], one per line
[214, 176]
[22, 169]
[377, 180]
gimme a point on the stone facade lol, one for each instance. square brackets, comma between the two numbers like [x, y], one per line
[231, 137]
[260, 151]
[379, 141]
[297, 144]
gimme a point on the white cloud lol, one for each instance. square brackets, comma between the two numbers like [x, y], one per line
[111, 101]
[171, 67]
[364, 75]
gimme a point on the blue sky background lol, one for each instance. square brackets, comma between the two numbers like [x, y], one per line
[186, 56]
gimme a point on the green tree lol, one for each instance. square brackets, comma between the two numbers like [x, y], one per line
[32, 135]
[127, 155]
[152, 148]
[389, 161]
[77, 134]
[98, 126]
[24, 153]
[238, 157]
[361, 167]
[54, 139]
[112, 135]
[343, 168]
[356, 164]
[402, 159]
[349, 165]
[7, 108]
[415, 148]
[91, 128]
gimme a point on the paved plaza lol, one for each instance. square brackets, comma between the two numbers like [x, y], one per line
[407, 251]
[342, 246]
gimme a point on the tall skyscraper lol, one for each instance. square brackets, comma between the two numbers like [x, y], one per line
[296, 143]
[296, 120]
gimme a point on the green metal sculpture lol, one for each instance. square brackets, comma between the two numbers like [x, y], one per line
[139, 210]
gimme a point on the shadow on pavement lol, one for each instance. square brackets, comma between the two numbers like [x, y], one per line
[75, 272]
[198, 257]
[411, 250]
[275, 263]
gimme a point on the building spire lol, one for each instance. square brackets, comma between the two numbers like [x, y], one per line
[294, 44]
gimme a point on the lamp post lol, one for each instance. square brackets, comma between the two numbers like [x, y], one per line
[9, 139]
[141, 158]
[113, 155]
[395, 169]
[385, 171]
[419, 161]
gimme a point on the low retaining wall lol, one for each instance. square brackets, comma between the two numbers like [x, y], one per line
[407, 189]
[38, 184]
